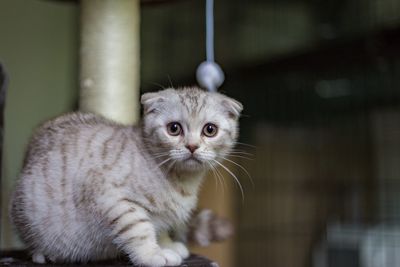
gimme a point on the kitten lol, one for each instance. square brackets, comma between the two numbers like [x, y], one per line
[91, 188]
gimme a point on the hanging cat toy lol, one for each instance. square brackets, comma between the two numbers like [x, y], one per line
[209, 74]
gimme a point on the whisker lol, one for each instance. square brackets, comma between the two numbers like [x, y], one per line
[220, 179]
[221, 176]
[234, 176]
[215, 178]
[160, 156]
[241, 152]
[148, 150]
[238, 156]
[241, 167]
[163, 162]
[170, 81]
[159, 153]
[171, 164]
[245, 144]
[157, 84]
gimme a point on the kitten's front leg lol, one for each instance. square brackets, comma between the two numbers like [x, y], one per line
[135, 234]
[165, 241]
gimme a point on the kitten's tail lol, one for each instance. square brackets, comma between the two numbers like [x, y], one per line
[206, 227]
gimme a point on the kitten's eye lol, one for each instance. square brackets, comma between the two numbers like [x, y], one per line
[174, 128]
[210, 130]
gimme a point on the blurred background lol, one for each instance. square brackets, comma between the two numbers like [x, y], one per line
[319, 81]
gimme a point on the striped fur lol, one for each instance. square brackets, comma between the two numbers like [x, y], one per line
[91, 188]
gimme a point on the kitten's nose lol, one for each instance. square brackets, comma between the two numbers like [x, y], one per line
[192, 148]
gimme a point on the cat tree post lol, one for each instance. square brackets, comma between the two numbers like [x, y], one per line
[110, 59]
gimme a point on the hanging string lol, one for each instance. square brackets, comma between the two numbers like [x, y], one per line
[209, 74]
[210, 30]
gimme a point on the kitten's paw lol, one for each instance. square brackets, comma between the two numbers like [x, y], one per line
[179, 248]
[164, 257]
[38, 258]
[172, 257]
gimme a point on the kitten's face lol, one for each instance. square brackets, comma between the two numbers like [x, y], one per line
[190, 129]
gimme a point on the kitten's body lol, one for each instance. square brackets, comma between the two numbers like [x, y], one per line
[91, 188]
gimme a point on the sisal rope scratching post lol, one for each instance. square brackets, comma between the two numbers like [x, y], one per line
[110, 59]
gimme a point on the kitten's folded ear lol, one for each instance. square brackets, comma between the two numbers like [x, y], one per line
[232, 106]
[149, 101]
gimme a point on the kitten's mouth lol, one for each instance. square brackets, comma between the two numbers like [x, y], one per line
[193, 159]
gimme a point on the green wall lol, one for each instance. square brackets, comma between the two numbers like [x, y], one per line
[38, 46]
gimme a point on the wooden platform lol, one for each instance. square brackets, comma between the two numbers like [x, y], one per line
[22, 259]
